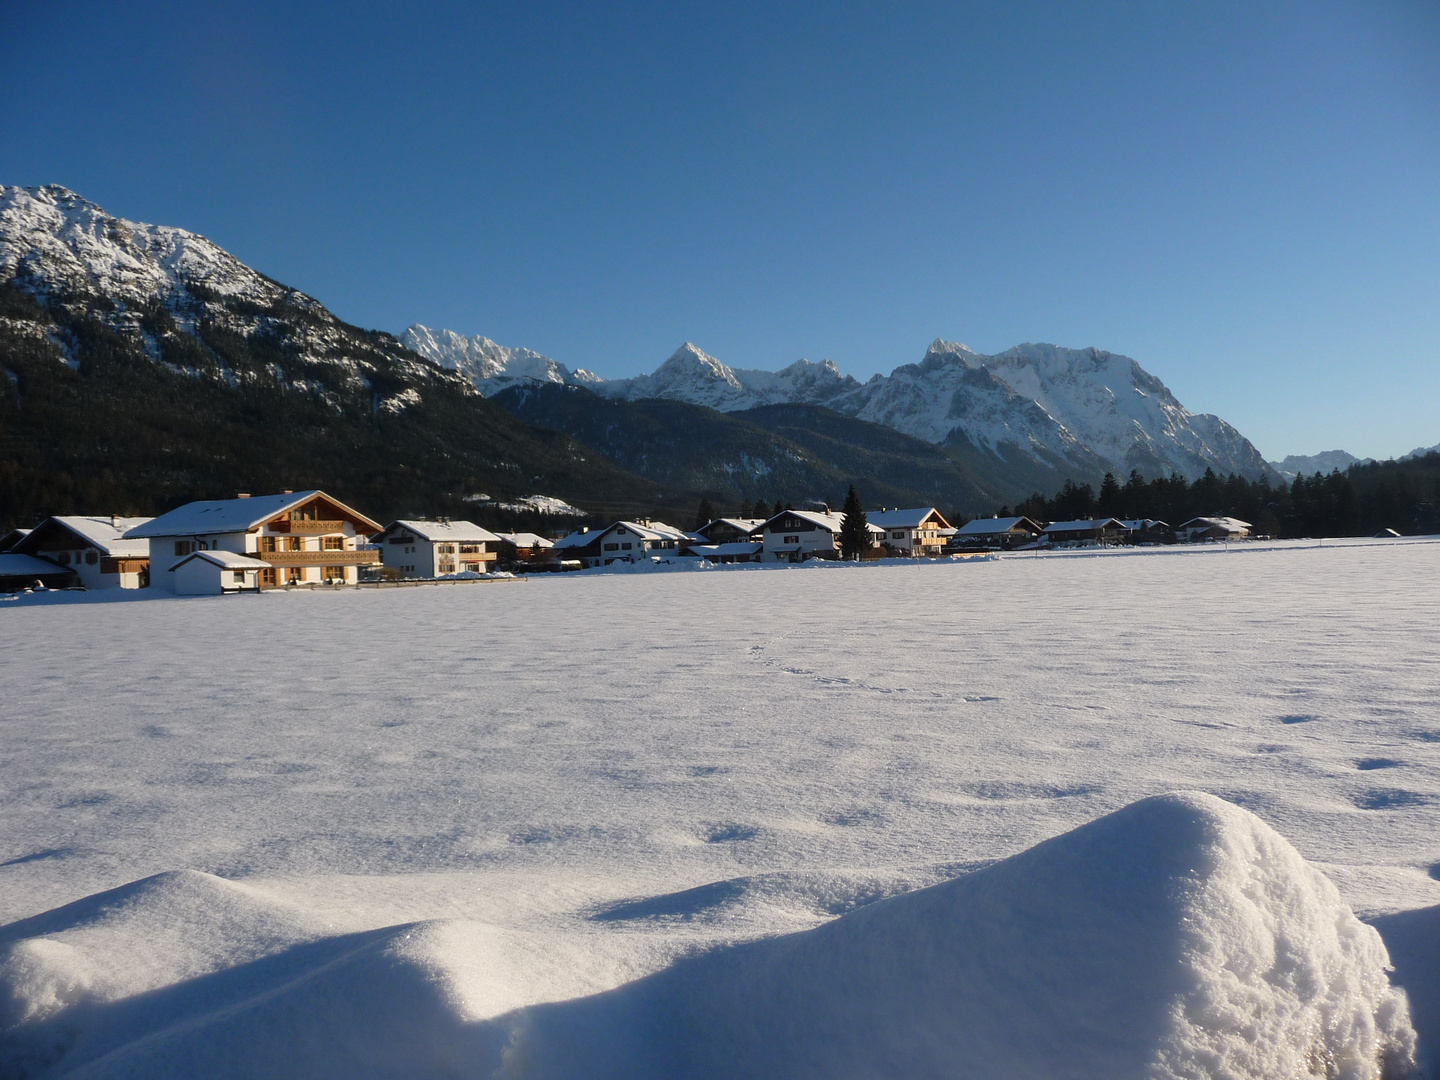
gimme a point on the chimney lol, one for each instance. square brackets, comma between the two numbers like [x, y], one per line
[288, 491]
[242, 494]
[115, 521]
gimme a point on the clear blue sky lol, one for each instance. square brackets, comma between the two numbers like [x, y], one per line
[1244, 197]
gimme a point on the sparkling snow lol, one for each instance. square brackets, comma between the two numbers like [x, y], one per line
[394, 814]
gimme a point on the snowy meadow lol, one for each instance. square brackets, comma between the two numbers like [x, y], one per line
[733, 822]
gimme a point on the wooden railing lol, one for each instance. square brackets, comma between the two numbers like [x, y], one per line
[319, 558]
[306, 528]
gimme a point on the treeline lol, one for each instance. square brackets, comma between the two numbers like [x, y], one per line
[1399, 495]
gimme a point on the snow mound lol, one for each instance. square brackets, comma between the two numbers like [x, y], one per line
[1178, 938]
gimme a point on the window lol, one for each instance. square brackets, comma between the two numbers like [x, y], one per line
[447, 549]
[64, 558]
[267, 543]
[91, 557]
[620, 530]
[790, 540]
[625, 546]
[182, 547]
[897, 535]
[238, 576]
[613, 547]
[332, 543]
[469, 549]
[334, 573]
[267, 576]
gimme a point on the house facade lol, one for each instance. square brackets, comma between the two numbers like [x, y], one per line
[94, 547]
[914, 532]
[432, 549]
[632, 541]
[303, 537]
[728, 530]
[798, 535]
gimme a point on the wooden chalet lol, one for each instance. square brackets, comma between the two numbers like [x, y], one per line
[915, 532]
[302, 537]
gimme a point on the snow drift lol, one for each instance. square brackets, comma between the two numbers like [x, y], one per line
[1178, 938]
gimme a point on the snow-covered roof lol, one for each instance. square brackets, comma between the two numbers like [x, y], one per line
[1093, 524]
[232, 515]
[13, 537]
[1233, 524]
[578, 539]
[15, 565]
[992, 526]
[828, 522]
[650, 530]
[107, 534]
[1142, 524]
[526, 540]
[901, 519]
[744, 525]
[734, 547]
[462, 531]
[226, 560]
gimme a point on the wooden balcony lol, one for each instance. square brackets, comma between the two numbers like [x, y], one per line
[319, 558]
[306, 528]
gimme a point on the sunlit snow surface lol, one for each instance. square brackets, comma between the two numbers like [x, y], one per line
[569, 781]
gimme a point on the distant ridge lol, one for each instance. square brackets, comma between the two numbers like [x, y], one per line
[1080, 412]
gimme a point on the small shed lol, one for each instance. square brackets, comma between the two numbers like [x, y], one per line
[212, 573]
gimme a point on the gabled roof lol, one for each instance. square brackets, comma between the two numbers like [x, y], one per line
[1212, 522]
[463, 531]
[1094, 524]
[105, 533]
[991, 526]
[526, 540]
[13, 537]
[1142, 524]
[234, 515]
[744, 525]
[654, 530]
[226, 560]
[578, 539]
[828, 522]
[903, 519]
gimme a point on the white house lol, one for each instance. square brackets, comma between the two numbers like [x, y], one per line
[205, 573]
[302, 537]
[94, 547]
[910, 532]
[797, 535]
[732, 552]
[431, 549]
[632, 541]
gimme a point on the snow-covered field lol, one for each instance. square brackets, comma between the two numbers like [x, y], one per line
[384, 821]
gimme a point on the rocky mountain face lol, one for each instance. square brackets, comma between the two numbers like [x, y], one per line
[1079, 412]
[142, 365]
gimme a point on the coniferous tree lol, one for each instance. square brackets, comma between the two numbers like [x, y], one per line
[778, 508]
[705, 514]
[854, 530]
[1108, 503]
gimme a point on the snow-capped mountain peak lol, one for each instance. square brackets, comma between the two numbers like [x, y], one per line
[489, 366]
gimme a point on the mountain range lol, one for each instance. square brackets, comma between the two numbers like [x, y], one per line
[144, 365]
[1071, 412]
